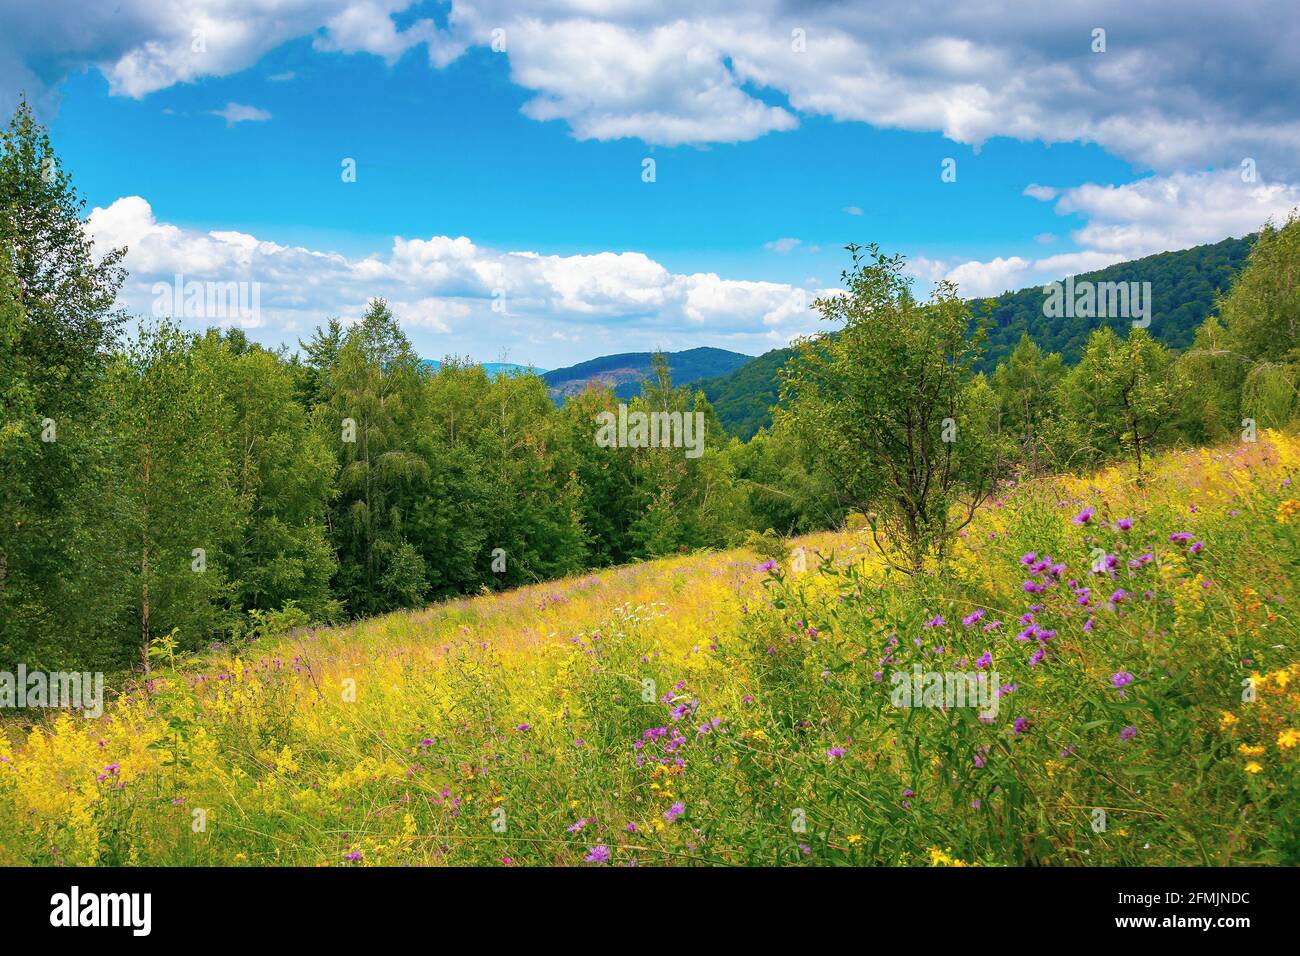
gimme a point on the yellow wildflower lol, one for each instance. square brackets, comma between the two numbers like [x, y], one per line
[941, 858]
[284, 763]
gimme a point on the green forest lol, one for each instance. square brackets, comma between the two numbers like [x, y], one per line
[167, 483]
[1185, 286]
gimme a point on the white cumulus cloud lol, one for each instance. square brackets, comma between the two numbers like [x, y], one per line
[450, 290]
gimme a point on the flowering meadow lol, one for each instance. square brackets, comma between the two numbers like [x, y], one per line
[723, 709]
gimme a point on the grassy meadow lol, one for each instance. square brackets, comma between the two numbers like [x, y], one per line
[720, 708]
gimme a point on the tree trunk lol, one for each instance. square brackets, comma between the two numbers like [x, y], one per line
[144, 569]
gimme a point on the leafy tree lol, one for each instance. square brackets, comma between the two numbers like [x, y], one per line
[1261, 312]
[888, 406]
[371, 405]
[532, 498]
[177, 510]
[1026, 389]
[1122, 398]
[56, 301]
[607, 502]
[283, 476]
[1210, 375]
[1245, 360]
[781, 493]
[498, 508]
[66, 293]
[449, 519]
[686, 500]
[320, 354]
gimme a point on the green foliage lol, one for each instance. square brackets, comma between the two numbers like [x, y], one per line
[684, 502]
[272, 624]
[1184, 286]
[176, 506]
[606, 497]
[1262, 311]
[1268, 395]
[204, 487]
[1026, 386]
[768, 545]
[283, 474]
[1245, 361]
[888, 404]
[1122, 398]
[1212, 376]
[56, 323]
[370, 411]
[780, 492]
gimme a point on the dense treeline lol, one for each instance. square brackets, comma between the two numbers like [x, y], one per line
[893, 418]
[1184, 285]
[162, 485]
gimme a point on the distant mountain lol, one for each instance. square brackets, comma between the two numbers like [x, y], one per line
[626, 371]
[493, 369]
[1183, 287]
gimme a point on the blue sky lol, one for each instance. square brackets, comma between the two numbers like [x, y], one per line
[448, 152]
[517, 175]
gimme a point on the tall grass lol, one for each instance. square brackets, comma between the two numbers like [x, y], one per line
[718, 709]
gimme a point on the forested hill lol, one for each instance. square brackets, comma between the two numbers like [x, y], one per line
[1183, 287]
[625, 372]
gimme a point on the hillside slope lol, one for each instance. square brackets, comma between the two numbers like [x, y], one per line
[1183, 287]
[625, 372]
[493, 369]
[710, 709]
